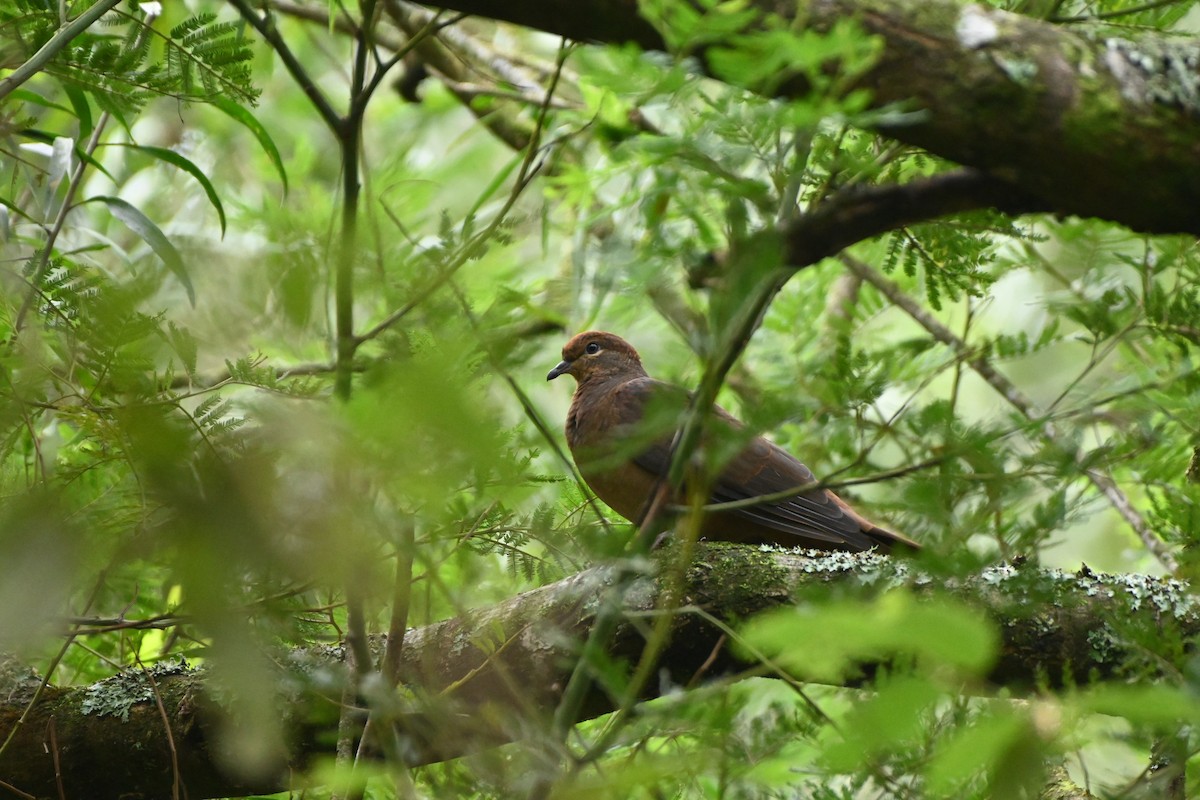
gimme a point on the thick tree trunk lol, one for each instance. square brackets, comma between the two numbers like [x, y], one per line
[498, 673]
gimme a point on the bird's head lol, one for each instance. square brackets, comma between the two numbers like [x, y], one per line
[597, 354]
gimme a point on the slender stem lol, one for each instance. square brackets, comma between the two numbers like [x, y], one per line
[1121, 12]
[344, 280]
[348, 131]
[42, 260]
[176, 779]
[816, 486]
[401, 601]
[734, 340]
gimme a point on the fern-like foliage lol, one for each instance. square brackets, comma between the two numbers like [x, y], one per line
[953, 258]
[514, 538]
[115, 61]
[253, 371]
[207, 58]
[214, 419]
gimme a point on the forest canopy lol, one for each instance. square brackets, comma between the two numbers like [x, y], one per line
[287, 502]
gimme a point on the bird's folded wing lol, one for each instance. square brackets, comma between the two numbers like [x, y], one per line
[761, 468]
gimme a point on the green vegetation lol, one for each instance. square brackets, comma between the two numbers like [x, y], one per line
[279, 288]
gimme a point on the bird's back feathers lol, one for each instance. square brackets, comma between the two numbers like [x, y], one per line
[620, 431]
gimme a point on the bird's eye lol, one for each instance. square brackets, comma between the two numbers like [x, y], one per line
[592, 349]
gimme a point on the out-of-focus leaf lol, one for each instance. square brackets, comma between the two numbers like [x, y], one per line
[80, 153]
[176, 160]
[184, 345]
[150, 233]
[260, 133]
[494, 184]
[61, 162]
[973, 750]
[827, 642]
[83, 109]
[766, 58]
[38, 551]
[889, 720]
[1155, 705]
[25, 95]
[427, 419]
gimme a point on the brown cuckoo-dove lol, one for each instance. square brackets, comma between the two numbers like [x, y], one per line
[619, 429]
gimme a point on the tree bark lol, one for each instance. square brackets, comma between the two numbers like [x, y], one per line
[497, 674]
[1083, 121]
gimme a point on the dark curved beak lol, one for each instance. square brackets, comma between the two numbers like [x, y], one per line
[563, 367]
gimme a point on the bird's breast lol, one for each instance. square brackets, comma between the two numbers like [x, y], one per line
[600, 427]
[595, 418]
[626, 489]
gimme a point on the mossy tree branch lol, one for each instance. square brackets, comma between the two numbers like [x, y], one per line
[1084, 122]
[484, 678]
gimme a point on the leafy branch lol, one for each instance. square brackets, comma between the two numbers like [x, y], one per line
[118, 71]
[1017, 399]
[59, 41]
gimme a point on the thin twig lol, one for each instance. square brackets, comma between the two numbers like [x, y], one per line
[469, 51]
[176, 776]
[816, 486]
[96, 625]
[1115, 14]
[470, 91]
[401, 601]
[529, 168]
[430, 38]
[984, 368]
[55, 757]
[8, 787]
[265, 26]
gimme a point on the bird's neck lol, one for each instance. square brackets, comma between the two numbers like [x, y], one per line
[610, 379]
[598, 383]
[589, 390]
[589, 393]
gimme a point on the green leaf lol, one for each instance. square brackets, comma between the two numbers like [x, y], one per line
[150, 233]
[46, 137]
[496, 182]
[974, 749]
[686, 27]
[265, 141]
[1153, 705]
[83, 109]
[27, 96]
[828, 642]
[892, 719]
[174, 159]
